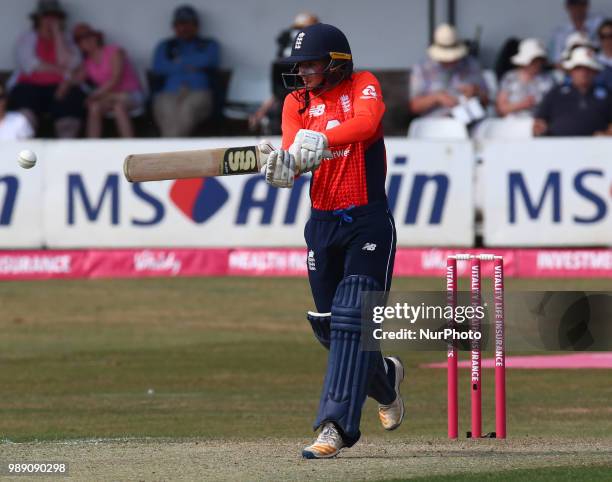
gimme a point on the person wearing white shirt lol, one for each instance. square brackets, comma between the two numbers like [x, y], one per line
[522, 88]
[41, 84]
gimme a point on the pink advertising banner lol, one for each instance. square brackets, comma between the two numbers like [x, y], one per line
[138, 263]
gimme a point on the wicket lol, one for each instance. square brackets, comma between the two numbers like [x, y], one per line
[475, 348]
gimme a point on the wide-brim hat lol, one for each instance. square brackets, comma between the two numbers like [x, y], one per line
[582, 57]
[575, 39]
[529, 50]
[47, 7]
[446, 47]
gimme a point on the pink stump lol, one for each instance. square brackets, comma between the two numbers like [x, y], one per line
[475, 325]
[451, 354]
[500, 349]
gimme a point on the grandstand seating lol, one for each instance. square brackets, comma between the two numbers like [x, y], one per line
[504, 128]
[438, 128]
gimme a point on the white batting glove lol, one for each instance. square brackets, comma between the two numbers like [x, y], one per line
[265, 147]
[309, 148]
[280, 169]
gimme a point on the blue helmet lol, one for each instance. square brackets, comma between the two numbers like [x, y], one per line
[320, 42]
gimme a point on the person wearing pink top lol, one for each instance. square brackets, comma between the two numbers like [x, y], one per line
[117, 87]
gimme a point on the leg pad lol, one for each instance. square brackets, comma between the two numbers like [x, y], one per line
[349, 369]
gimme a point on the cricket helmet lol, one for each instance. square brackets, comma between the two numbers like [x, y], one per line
[320, 42]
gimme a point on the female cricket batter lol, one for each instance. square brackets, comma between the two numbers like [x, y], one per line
[332, 126]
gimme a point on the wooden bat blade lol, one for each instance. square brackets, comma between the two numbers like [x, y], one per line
[162, 166]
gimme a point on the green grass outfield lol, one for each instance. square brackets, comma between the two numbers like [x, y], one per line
[216, 358]
[592, 473]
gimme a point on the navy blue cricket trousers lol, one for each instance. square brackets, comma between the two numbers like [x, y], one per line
[341, 243]
[353, 241]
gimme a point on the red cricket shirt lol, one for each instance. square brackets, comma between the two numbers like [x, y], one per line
[350, 116]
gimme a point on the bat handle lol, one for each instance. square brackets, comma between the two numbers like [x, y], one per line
[126, 170]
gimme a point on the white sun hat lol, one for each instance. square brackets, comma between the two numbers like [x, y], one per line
[582, 57]
[576, 39]
[529, 50]
[446, 47]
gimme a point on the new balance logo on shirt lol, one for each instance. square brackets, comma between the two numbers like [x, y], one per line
[317, 110]
[368, 247]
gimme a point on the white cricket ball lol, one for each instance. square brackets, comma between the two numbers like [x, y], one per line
[150, 391]
[26, 159]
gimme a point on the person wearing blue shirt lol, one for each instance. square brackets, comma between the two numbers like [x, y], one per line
[605, 54]
[183, 65]
[580, 107]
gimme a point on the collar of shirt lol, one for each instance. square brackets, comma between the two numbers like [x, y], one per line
[182, 41]
[334, 92]
[595, 91]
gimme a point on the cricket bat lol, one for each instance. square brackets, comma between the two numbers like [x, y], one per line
[160, 166]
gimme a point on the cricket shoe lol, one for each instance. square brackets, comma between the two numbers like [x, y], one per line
[327, 445]
[391, 416]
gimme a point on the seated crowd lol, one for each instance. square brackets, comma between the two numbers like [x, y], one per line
[70, 78]
[65, 78]
[568, 93]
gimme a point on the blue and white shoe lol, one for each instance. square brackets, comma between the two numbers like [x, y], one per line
[391, 416]
[327, 445]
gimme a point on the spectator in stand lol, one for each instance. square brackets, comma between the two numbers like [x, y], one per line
[523, 88]
[580, 20]
[285, 39]
[185, 62]
[438, 83]
[268, 116]
[13, 125]
[576, 39]
[605, 54]
[46, 59]
[580, 108]
[117, 88]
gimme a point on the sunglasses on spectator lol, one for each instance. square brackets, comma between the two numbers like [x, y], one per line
[605, 36]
